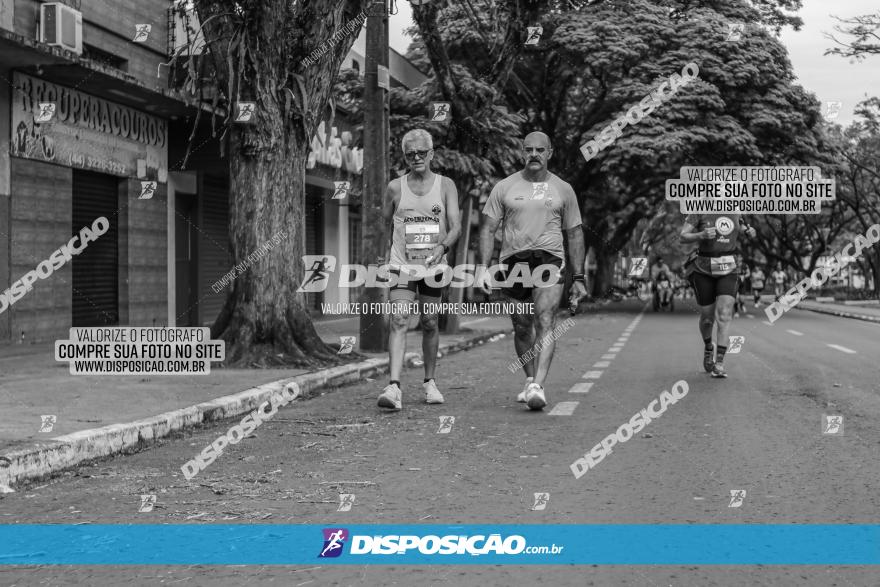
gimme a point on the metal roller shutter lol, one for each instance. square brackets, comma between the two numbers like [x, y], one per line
[96, 269]
[213, 249]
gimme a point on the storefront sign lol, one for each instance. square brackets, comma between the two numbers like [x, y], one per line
[86, 132]
[335, 151]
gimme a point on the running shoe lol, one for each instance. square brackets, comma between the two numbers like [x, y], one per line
[391, 397]
[535, 397]
[521, 398]
[432, 394]
[736, 314]
[718, 371]
[709, 359]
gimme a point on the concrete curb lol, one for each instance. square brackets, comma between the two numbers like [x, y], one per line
[46, 458]
[864, 317]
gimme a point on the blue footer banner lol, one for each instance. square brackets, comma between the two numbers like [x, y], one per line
[278, 544]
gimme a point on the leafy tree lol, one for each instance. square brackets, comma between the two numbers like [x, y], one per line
[257, 50]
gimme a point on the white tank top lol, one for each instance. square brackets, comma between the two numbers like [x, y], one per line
[419, 224]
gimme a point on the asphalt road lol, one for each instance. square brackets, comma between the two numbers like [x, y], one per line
[760, 431]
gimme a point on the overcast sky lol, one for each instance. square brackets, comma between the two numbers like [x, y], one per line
[831, 78]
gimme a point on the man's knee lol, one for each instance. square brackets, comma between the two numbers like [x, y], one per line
[707, 319]
[724, 313]
[399, 321]
[429, 322]
[545, 320]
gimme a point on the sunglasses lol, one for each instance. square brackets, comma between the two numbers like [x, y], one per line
[410, 155]
[540, 150]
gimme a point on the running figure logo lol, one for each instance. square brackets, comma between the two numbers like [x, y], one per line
[334, 541]
[534, 36]
[346, 500]
[142, 31]
[735, 31]
[346, 344]
[832, 110]
[440, 111]
[148, 188]
[244, 111]
[318, 270]
[341, 189]
[832, 424]
[446, 423]
[48, 422]
[147, 503]
[47, 111]
[737, 496]
[735, 344]
[638, 265]
[541, 500]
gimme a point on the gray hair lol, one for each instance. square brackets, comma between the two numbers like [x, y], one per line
[415, 135]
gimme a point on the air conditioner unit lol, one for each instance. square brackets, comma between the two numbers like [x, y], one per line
[61, 26]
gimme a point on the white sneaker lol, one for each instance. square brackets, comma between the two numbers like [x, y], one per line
[391, 397]
[535, 397]
[432, 394]
[521, 398]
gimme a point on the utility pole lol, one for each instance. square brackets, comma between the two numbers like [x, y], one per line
[373, 325]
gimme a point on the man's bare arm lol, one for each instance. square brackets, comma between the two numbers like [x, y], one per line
[453, 213]
[389, 205]
[576, 248]
[488, 227]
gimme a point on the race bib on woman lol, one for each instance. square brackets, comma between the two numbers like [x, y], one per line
[722, 265]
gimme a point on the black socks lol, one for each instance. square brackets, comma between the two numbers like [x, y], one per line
[708, 343]
[397, 383]
[427, 380]
[719, 354]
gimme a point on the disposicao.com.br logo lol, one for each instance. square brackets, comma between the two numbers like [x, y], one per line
[393, 544]
[320, 268]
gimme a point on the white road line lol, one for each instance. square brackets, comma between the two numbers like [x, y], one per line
[622, 340]
[602, 364]
[613, 350]
[842, 349]
[795, 332]
[767, 323]
[608, 356]
[473, 321]
[563, 409]
[592, 375]
[580, 387]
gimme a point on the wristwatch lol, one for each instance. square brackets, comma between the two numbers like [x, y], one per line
[445, 248]
[579, 277]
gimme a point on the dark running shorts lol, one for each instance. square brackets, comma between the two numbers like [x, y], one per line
[401, 291]
[708, 288]
[533, 259]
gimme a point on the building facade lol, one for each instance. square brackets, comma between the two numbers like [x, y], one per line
[100, 223]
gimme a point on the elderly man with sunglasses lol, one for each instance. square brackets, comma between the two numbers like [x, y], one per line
[422, 208]
[535, 207]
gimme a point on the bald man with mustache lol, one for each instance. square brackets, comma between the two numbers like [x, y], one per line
[534, 207]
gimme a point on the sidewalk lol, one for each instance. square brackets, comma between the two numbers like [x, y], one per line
[859, 311]
[102, 415]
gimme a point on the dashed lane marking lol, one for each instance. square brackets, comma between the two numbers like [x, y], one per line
[563, 409]
[608, 356]
[580, 388]
[795, 332]
[842, 349]
[592, 375]
[602, 364]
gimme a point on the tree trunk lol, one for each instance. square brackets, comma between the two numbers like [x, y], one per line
[604, 273]
[264, 322]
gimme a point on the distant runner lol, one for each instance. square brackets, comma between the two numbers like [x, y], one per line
[758, 279]
[778, 277]
[534, 206]
[713, 271]
[422, 208]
